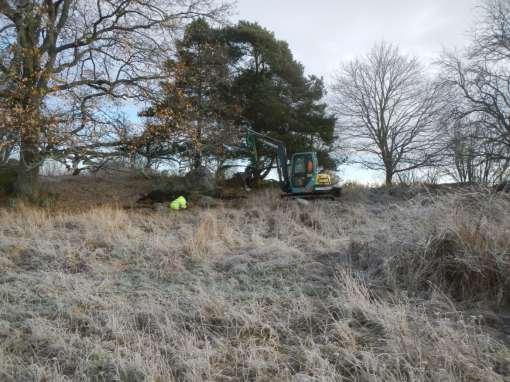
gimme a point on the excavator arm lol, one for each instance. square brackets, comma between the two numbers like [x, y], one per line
[281, 155]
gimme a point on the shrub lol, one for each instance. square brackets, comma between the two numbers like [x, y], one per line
[8, 176]
[462, 250]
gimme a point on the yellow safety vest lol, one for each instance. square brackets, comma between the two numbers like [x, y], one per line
[179, 204]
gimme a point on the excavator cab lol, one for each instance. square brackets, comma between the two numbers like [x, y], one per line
[307, 178]
[304, 170]
[299, 177]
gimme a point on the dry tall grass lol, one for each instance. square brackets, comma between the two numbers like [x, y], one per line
[370, 289]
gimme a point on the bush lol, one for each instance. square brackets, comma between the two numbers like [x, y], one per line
[197, 182]
[463, 252]
[8, 176]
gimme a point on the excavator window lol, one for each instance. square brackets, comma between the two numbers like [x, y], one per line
[302, 170]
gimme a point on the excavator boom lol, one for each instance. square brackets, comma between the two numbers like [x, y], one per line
[281, 155]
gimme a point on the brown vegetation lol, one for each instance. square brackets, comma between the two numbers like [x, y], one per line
[374, 288]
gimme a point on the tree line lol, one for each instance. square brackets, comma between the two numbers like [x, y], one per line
[223, 79]
[69, 70]
[394, 116]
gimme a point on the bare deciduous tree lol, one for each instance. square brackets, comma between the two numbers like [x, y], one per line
[481, 78]
[492, 34]
[471, 155]
[485, 89]
[387, 109]
[63, 61]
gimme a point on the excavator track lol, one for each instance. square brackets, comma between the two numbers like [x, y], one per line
[333, 194]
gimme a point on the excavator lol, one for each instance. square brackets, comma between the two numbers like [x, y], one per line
[298, 177]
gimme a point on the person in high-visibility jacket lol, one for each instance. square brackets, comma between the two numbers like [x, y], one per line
[179, 204]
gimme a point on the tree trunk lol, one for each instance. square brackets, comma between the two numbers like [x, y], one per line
[389, 178]
[197, 154]
[27, 182]
[29, 98]
[29, 122]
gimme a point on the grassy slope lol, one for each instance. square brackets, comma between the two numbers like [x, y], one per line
[371, 289]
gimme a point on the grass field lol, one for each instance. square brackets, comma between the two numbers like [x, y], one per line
[376, 287]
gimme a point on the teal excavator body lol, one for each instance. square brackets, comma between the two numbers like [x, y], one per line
[299, 176]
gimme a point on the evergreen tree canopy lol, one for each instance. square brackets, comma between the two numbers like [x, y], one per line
[226, 78]
[194, 109]
[275, 95]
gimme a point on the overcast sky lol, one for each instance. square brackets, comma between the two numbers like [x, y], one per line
[324, 33]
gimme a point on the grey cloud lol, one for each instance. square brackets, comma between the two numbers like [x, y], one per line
[324, 33]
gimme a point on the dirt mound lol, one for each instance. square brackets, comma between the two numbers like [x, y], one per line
[88, 191]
